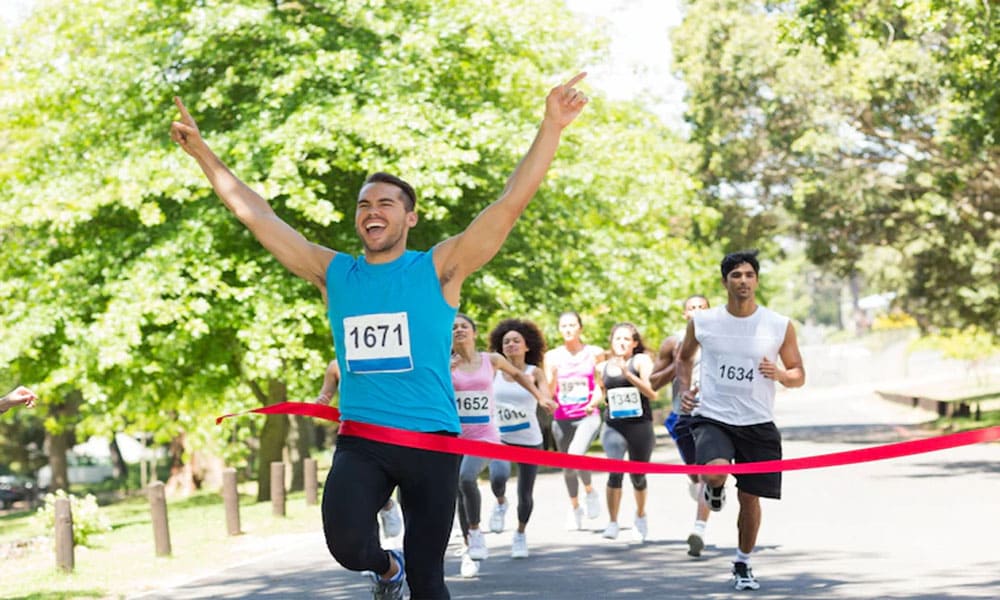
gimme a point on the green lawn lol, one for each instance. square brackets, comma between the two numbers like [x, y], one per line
[123, 561]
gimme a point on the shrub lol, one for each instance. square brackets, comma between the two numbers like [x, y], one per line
[87, 517]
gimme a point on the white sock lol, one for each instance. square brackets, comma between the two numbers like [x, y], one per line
[743, 557]
[699, 527]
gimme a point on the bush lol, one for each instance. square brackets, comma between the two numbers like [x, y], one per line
[87, 517]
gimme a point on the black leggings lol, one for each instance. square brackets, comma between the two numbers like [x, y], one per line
[500, 473]
[362, 478]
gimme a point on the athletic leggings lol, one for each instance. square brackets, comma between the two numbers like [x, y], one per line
[574, 436]
[360, 481]
[470, 501]
[500, 473]
[635, 436]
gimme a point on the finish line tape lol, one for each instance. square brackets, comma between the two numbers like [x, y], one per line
[452, 445]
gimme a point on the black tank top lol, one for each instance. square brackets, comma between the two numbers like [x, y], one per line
[613, 382]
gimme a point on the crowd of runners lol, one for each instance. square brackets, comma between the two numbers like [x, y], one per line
[407, 359]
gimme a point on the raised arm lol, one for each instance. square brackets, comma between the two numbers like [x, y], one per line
[459, 256]
[501, 363]
[305, 259]
[644, 365]
[665, 367]
[20, 395]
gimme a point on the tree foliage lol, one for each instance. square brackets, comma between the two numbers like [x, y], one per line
[867, 129]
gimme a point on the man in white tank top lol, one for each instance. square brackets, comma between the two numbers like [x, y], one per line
[733, 402]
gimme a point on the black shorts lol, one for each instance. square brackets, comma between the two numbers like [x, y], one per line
[741, 444]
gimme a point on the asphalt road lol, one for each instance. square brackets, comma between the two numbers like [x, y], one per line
[919, 527]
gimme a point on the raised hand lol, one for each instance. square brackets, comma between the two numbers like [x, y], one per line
[185, 132]
[23, 395]
[565, 102]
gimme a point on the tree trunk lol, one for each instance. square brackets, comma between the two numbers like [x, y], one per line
[181, 480]
[272, 439]
[118, 461]
[60, 441]
[300, 442]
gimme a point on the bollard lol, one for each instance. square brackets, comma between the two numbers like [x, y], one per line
[231, 498]
[158, 512]
[309, 479]
[278, 489]
[64, 535]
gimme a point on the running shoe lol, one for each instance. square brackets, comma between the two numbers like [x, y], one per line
[695, 544]
[470, 568]
[593, 504]
[519, 549]
[640, 529]
[611, 531]
[574, 520]
[392, 520]
[497, 520]
[743, 578]
[393, 588]
[477, 545]
[715, 497]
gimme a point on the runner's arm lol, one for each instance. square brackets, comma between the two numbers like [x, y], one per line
[665, 367]
[794, 373]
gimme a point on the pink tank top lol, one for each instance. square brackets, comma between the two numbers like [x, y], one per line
[574, 380]
[474, 399]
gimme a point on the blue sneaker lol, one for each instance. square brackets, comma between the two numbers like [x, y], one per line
[391, 589]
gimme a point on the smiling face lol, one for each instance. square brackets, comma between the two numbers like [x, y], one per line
[462, 333]
[741, 282]
[382, 218]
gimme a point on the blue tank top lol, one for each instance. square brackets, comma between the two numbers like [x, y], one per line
[392, 330]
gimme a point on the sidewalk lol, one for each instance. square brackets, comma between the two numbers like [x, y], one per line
[922, 527]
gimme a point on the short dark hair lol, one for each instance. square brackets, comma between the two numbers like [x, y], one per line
[640, 348]
[467, 319]
[408, 192]
[692, 297]
[735, 259]
[529, 331]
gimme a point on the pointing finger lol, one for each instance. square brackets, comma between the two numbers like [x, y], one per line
[576, 78]
[185, 116]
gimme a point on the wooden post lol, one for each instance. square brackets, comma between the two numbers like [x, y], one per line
[309, 479]
[158, 511]
[231, 498]
[278, 489]
[64, 535]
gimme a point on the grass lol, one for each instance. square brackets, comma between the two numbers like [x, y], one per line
[123, 561]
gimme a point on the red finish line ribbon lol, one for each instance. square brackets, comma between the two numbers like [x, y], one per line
[452, 445]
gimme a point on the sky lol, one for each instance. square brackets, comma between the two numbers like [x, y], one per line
[639, 59]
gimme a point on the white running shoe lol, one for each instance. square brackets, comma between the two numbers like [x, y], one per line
[497, 520]
[477, 545]
[743, 578]
[715, 498]
[640, 529]
[392, 520]
[519, 549]
[611, 531]
[574, 520]
[470, 568]
[593, 504]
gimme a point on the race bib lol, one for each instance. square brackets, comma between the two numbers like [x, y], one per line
[624, 402]
[735, 372]
[378, 343]
[512, 419]
[473, 407]
[574, 390]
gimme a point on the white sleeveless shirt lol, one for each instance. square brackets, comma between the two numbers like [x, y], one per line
[733, 390]
[516, 411]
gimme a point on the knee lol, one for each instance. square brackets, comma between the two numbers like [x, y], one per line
[638, 482]
[615, 480]
[346, 545]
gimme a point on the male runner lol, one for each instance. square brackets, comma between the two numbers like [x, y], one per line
[733, 416]
[391, 311]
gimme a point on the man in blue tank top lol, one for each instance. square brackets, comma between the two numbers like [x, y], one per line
[732, 403]
[391, 312]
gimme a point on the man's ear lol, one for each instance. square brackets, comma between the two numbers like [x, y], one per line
[412, 218]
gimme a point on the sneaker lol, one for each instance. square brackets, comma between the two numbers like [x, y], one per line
[574, 521]
[695, 544]
[470, 568]
[611, 531]
[693, 490]
[640, 529]
[498, 517]
[477, 545]
[519, 549]
[593, 504]
[393, 588]
[392, 520]
[715, 497]
[743, 578]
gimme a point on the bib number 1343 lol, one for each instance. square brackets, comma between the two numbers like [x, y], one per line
[378, 343]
